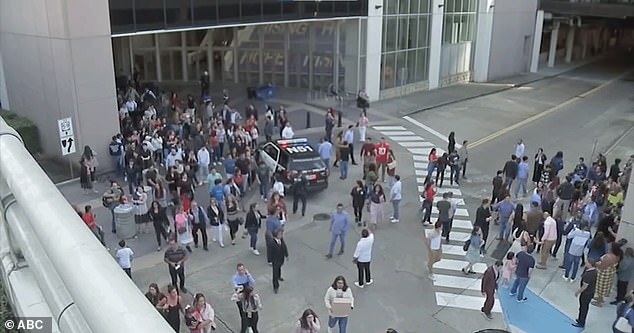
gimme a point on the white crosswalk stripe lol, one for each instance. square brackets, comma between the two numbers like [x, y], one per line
[455, 286]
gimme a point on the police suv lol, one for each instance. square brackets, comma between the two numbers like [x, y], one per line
[289, 159]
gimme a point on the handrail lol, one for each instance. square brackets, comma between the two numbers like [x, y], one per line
[108, 300]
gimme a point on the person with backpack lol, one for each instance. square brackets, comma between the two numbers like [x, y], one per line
[115, 148]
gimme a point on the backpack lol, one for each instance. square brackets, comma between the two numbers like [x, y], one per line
[466, 245]
[114, 149]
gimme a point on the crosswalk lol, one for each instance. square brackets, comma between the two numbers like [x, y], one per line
[452, 288]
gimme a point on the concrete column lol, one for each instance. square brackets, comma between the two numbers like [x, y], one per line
[260, 58]
[157, 54]
[234, 52]
[351, 63]
[435, 43]
[68, 72]
[552, 52]
[570, 43]
[537, 41]
[131, 55]
[4, 95]
[484, 30]
[626, 228]
[311, 59]
[210, 55]
[184, 56]
[374, 38]
[336, 54]
[584, 43]
[287, 46]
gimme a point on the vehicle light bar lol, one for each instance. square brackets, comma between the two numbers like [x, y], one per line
[292, 141]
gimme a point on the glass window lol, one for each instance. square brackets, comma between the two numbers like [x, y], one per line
[422, 64]
[403, 33]
[205, 12]
[178, 13]
[414, 6]
[229, 11]
[389, 33]
[411, 67]
[250, 10]
[403, 6]
[412, 33]
[170, 39]
[387, 71]
[401, 68]
[447, 28]
[121, 16]
[391, 7]
[423, 31]
[468, 5]
[148, 15]
[450, 6]
[289, 9]
[466, 27]
[425, 6]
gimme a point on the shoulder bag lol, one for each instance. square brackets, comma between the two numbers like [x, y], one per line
[622, 324]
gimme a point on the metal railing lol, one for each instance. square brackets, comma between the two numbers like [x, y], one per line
[51, 264]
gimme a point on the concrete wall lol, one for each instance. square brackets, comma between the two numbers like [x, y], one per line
[57, 57]
[4, 95]
[510, 53]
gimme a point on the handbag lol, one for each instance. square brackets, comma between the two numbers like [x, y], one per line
[466, 245]
[622, 324]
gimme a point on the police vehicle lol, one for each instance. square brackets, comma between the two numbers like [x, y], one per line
[292, 158]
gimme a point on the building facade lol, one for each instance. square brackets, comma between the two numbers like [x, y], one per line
[65, 60]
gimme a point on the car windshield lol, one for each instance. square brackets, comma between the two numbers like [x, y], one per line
[307, 164]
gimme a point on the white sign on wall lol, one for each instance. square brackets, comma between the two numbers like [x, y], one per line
[66, 135]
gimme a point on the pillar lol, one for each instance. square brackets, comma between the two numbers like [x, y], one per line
[374, 38]
[68, 72]
[484, 30]
[311, 59]
[4, 95]
[210, 55]
[435, 42]
[351, 62]
[626, 228]
[584, 43]
[537, 41]
[335, 55]
[570, 43]
[260, 58]
[184, 56]
[157, 54]
[287, 47]
[552, 51]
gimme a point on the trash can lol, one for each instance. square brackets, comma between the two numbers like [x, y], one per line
[124, 220]
[251, 92]
[266, 92]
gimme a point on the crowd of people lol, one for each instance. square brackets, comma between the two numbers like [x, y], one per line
[168, 148]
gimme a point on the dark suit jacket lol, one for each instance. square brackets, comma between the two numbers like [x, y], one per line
[278, 251]
[489, 280]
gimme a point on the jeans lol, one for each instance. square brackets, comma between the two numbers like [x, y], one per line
[253, 237]
[114, 226]
[343, 167]
[427, 206]
[327, 162]
[264, 187]
[395, 206]
[204, 172]
[333, 240]
[343, 323]
[509, 182]
[521, 183]
[505, 228]
[296, 199]
[572, 262]
[363, 269]
[519, 286]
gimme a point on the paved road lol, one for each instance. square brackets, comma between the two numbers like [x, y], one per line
[402, 297]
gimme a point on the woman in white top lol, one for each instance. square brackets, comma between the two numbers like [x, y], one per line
[182, 225]
[433, 240]
[362, 257]
[308, 323]
[363, 126]
[139, 199]
[207, 313]
[338, 289]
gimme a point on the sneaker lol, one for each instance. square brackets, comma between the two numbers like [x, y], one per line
[394, 221]
[330, 330]
[391, 218]
[370, 282]
[184, 290]
[565, 278]
[432, 277]
[487, 316]
[356, 283]
[576, 324]
[522, 300]
[256, 252]
[158, 249]
[511, 294]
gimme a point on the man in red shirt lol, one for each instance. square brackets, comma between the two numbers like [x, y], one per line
[383, 152]
[90, 219]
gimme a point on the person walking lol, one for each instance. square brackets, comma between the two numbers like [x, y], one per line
[362, 257]
[200, 220]
[538, 165]
[233, 220]
[183, 227]
[124, 258]
[358, 201]
[159, 219]
[344, 155]
[216, 220]
[433, 240]
[483, 218]
[586, 292]
[325, 151]
[308, 322]
[173, 308]
[463, 154]
[273, 224]
[523, 271]
[488, 287]
[505, 209]
[251, 304]
[510, 172]
[522, 177]
[175, 257]
[395, 197]
[444, 206]
[376, 199]
[383, 152]
[548, 239]
[473, 245]
[339, 225]
[348, 137]
[338, 290]
[279, 252]
[252, 224]
[451, 145]
[362, 124]
[428, 201]
[498, 187]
